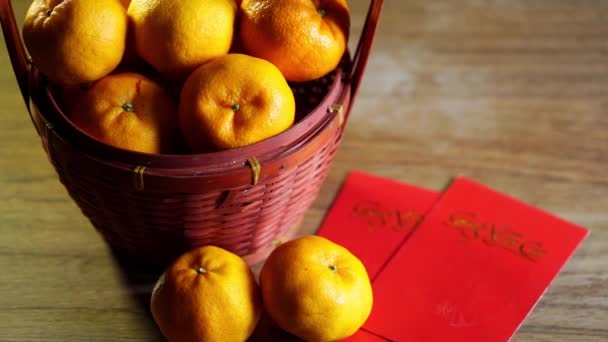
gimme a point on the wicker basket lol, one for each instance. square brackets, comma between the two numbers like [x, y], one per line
[154, 207]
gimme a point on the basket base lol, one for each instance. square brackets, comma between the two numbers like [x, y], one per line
[254, 259]
[263, 253]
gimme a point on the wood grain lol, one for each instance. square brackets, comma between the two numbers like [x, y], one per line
[512, 93]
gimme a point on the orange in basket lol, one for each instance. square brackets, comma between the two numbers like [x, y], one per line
[305, 39]
[154, 207]
[177, 36]
[233, 101]
[130, 111]
[75, 42]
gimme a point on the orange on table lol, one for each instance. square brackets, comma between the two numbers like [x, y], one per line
[234, 101]
[177, 36]
[316, 289]
[207, 294]
[305, 39]
[129, 111]
[74, 42]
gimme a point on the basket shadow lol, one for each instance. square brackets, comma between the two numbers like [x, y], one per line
[140, 279]
[267, 330]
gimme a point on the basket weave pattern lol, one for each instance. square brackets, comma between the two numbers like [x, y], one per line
[157, 226]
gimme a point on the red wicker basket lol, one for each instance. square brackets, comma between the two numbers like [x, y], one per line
[154, 207]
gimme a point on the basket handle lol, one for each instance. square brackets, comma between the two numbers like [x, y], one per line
[17, 54]
[364, 47]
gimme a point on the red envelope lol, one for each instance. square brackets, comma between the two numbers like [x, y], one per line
[473, 270]
[371, 217]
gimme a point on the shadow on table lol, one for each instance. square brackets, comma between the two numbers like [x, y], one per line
[140, 279]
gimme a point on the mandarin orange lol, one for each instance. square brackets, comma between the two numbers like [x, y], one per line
[234, 101]
[316, 289]
[305, 39]
[75, 41]
[207, 294]
[177, 36]
[129, 111]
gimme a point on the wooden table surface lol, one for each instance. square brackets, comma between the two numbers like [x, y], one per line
[512, 93]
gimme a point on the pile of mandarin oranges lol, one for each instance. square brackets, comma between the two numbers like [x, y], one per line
[183, 76]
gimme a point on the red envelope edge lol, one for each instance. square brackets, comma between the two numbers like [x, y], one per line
[473, 271]
[364, 336]
[372, 216]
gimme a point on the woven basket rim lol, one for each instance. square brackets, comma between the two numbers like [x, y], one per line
[218, 161]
